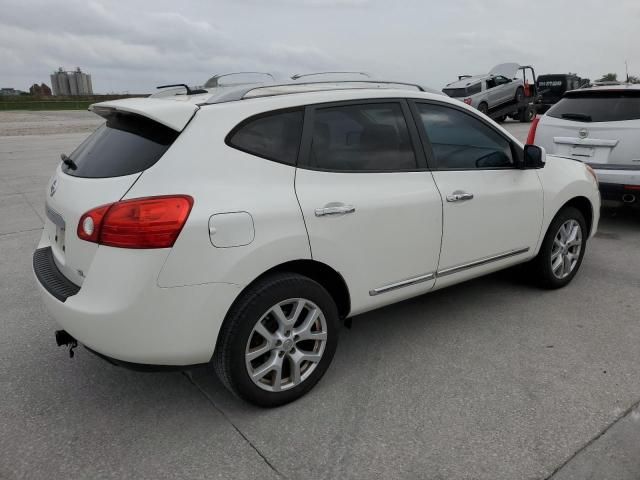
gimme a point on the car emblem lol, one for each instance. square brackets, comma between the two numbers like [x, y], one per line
[583, 133]
[54, 187]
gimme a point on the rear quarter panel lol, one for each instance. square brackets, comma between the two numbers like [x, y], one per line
[222, 179]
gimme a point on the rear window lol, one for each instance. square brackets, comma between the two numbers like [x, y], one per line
[463, 92]
[598, 106]
[274, 136]
[124, 145]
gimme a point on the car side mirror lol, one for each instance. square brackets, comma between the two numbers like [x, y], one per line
[534, 156]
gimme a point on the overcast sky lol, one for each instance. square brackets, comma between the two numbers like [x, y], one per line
[138, 44]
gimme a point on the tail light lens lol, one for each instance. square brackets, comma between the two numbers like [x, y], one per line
[531, 138]
[151, 222]
[467, 101]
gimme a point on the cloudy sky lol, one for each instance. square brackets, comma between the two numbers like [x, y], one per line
[138, 44]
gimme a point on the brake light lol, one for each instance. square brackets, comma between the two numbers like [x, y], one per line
[632, 187]
[151, 222]
[531, 138]
[467, 101]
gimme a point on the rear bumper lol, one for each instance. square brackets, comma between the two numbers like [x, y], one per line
[121, 313]
[619, 184]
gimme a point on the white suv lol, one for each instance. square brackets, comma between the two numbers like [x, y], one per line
[239, 227]
[601, 127]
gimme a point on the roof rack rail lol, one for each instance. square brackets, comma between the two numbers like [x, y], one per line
[186, 87]
[213, 82]
[299, 75]
[336, 82]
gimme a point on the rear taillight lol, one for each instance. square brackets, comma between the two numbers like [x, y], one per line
[531, 138]
[632, 187]
[467, 101]
[151, 222]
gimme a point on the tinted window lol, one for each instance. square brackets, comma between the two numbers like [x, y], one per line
[473, 89]
[370, 137]
[598, 106]
[460, 141]
[274, 136]
[124, 145]
[455, 92]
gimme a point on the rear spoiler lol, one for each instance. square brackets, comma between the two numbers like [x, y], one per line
[170, 113]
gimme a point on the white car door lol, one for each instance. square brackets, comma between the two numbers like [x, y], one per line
[371, 207]
[492, 211]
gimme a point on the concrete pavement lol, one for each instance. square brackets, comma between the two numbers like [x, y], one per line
[492, 379]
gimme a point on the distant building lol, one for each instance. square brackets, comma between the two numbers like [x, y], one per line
[41, 90]
[10, 91]
[71, 83]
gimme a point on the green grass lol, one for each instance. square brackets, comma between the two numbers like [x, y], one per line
[27, 102]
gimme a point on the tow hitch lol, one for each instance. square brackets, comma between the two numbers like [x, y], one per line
[63, 339]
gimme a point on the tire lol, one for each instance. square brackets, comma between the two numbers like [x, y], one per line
[541, 267]
[483, 108]
[501, 119]
[294, 298]
[519, 94]
[526, 115]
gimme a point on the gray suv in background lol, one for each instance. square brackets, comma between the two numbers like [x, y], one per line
[488, 91]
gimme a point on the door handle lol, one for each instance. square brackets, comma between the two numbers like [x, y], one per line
[459, 196]
[335, 210]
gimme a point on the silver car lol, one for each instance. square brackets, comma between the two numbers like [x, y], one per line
[488, 91]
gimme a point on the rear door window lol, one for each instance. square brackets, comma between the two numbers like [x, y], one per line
[371, 137]
[598, 106]
[124, 145]
[274, 136]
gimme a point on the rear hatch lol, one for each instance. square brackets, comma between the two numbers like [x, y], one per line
[103, 168]
[600, 127]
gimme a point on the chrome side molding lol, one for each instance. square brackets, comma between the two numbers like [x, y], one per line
[482, 261]
[447, 271]
[402, 283]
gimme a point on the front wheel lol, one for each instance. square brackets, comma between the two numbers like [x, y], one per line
[562, 250]
[277, 340]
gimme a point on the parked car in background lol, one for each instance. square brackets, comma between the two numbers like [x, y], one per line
[239, 227]
[551, 88]
[488, 91]
[599, 126]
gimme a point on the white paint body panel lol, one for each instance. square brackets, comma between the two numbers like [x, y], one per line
[505, 214]
[393, 234]
[166, 306]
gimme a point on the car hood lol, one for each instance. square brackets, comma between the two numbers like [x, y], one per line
[508, 70]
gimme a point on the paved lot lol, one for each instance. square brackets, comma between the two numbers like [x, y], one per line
[491, 379]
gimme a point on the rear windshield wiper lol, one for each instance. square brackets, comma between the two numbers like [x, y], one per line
[68, 162]
[581, 117]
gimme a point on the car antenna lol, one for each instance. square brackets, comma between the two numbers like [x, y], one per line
[189, 91]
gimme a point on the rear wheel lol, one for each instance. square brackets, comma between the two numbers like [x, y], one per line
[562, 250]
[519, 94]
[277, 340]
[483, 108]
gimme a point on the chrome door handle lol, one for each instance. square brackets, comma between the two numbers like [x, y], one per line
[335, 210]
[458, 196]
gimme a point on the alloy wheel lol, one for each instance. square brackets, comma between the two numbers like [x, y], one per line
[566, 248]
[286, 344]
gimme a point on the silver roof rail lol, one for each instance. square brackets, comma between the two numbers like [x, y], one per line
[337, 83]
[240, 93]
[213, 82]
[301, 75]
